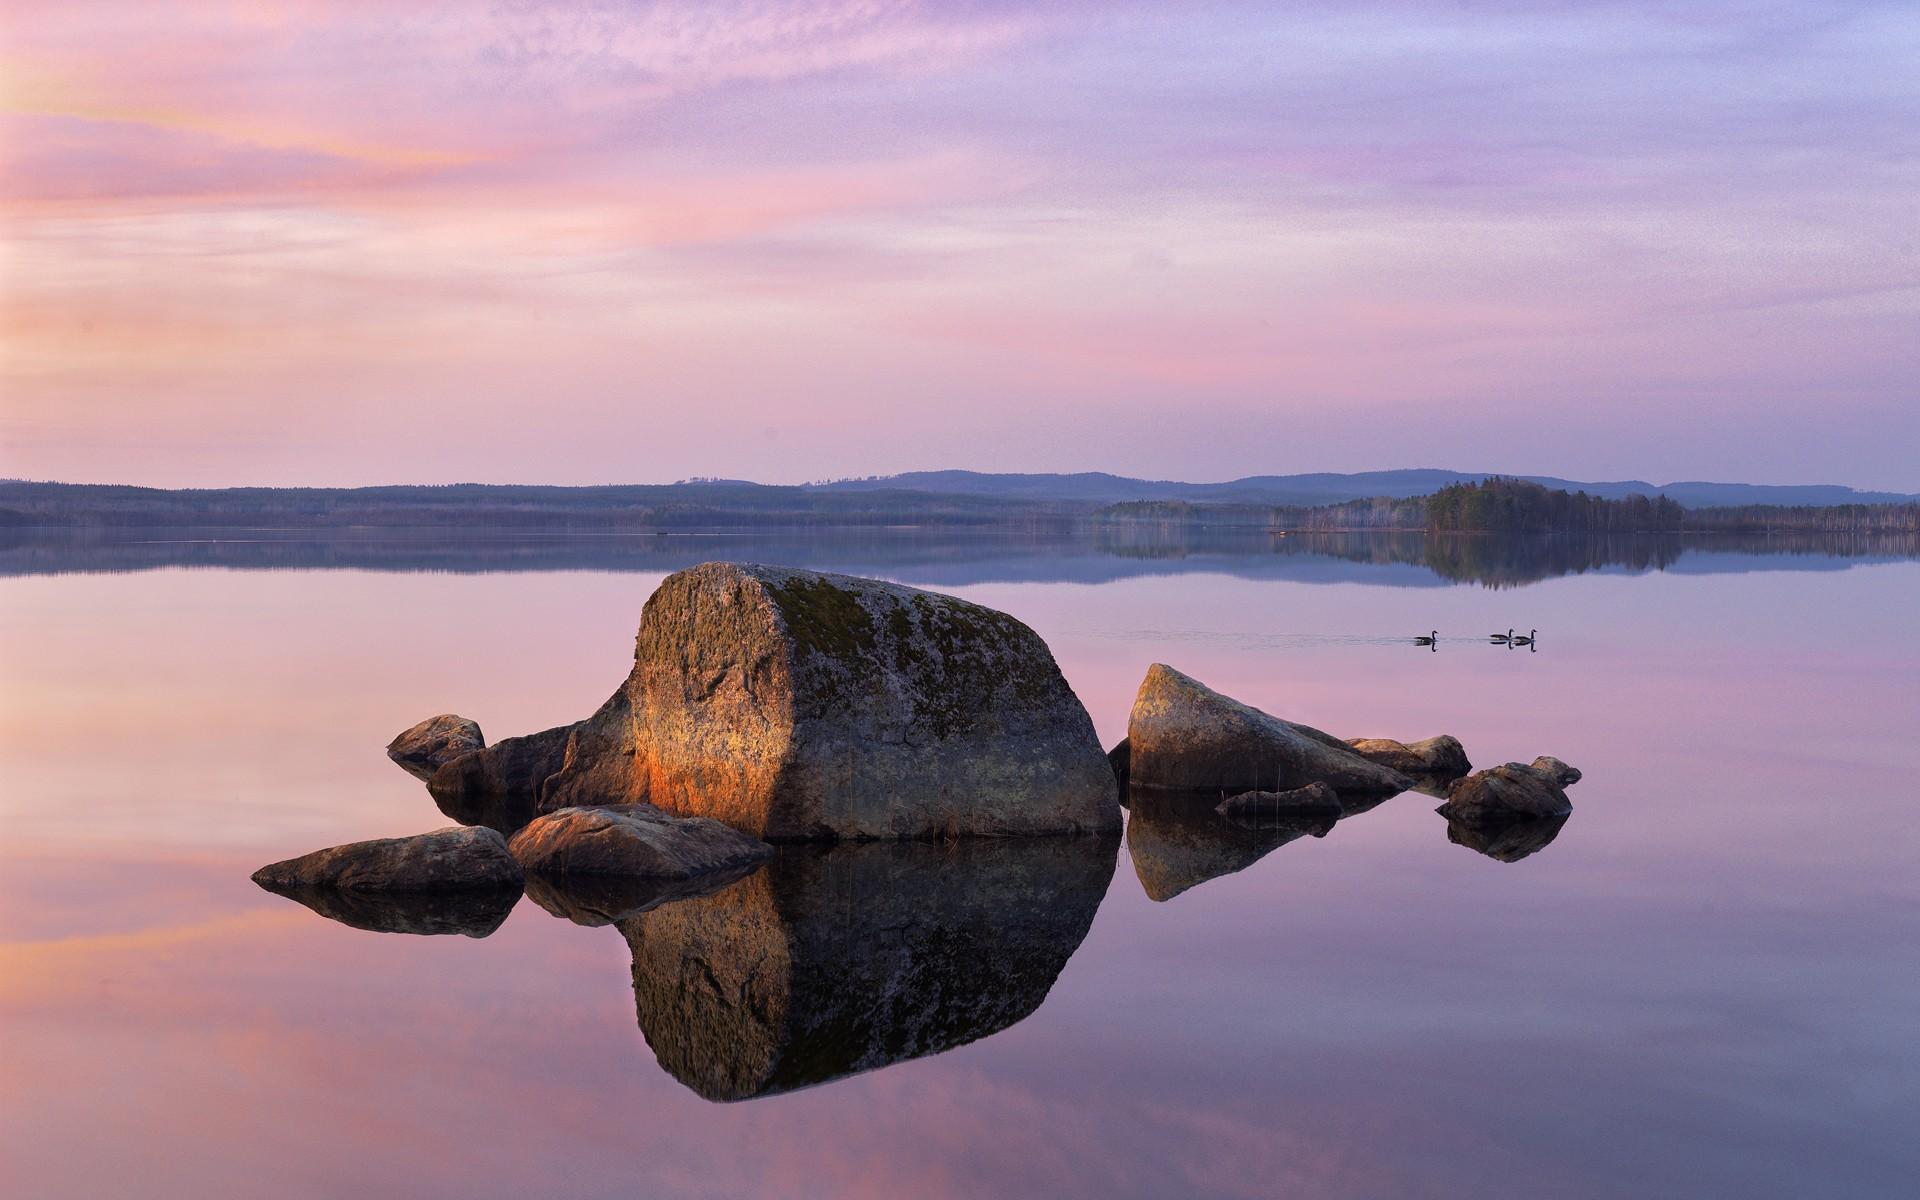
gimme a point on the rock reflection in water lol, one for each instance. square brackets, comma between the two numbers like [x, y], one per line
[473, 914]
[595, 900]
[1178, 841]
[1508, 841]
[830, 961]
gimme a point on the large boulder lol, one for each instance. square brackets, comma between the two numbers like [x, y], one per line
[832, 960]
[796, 705]
[434, 742]
[446, 860]
[1441, 756]
[1509, 792]
[1184, 736]
[633, 840]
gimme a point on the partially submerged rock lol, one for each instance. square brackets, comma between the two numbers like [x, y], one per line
[471, 913]
[1120, 758]
[1562, 774]
[446, 860]
[796, 705]
[1316, 801]
[1184, 736]
[499, 787]
[834, 960]
[635, 841]
[1507, 841]
[434, 742]
[1441, 756]
[1509, 792]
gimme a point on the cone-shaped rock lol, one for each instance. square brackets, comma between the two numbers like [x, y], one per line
[796, 705]
[1184, 736]
[834, 960]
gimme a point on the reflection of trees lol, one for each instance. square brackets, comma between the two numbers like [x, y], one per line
[937, 557]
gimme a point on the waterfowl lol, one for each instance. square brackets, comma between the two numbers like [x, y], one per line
[1429, 640]
[1501, 637]
[1524, 641]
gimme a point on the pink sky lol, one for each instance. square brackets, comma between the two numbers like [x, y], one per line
[310, 242]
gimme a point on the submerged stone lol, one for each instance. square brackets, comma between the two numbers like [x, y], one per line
[473, 913]
[1507, 841]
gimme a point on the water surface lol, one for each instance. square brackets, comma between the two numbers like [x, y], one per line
[1701, 986]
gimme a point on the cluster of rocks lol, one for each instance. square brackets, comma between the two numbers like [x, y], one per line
[765, 704]
[769, 704]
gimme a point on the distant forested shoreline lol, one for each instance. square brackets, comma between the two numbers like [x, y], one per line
[1492, 505]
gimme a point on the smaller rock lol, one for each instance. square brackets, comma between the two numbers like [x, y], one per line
[1505, 793]
[446, 860]
[1441, 756]
[633, 840]
[500, 786]
[1120, 758]
[1561, 772]
[1314, 802]
[434, 742]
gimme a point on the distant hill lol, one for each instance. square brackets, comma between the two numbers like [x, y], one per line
[1096, 487]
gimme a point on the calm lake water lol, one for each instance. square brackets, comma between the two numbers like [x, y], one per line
[1704, 986]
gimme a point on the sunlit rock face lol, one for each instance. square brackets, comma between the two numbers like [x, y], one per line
[797, 705]
[1507, 841]
[1184, 736]
[830, 961]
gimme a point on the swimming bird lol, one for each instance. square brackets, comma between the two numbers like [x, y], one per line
[1524, 641]
[1429, 640]
[1501, 637]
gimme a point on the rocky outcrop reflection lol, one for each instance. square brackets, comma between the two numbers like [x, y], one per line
[472, 914]
[829, 961]
[594, 900]
[1508, 841]
[1179, 841]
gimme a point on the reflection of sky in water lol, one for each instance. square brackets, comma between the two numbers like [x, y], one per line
[1701, 988]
